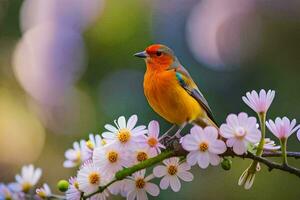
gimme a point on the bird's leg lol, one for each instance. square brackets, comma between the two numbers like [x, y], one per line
[177, 134]
[167, 132]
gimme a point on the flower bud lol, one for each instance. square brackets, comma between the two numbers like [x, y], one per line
[63, 185]
[226, 164]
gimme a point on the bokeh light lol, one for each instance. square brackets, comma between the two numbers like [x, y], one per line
[76, 14]
[48, 60]
[22, 135]
[223, 33]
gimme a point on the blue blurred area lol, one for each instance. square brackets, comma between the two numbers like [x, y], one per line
[65, 71]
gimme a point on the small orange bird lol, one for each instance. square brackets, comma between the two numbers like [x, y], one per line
[171, 91]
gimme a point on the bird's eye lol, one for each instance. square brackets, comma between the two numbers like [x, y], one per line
[158, 53]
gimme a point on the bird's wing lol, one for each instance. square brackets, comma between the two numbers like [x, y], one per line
[186, 81]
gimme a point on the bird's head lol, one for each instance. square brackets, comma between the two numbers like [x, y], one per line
[158, 56]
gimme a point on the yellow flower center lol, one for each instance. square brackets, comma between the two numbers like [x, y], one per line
[41, 194]
[90, 145]
[112, 156]
[140, 183]
[172, 170]
[26, 186]
[124, 135]
[78, 156]
[152, 142]
[141, 156]
[76, 185]
[203, 146]
[94, 178]
[8, 198]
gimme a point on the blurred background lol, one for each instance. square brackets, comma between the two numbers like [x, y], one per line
[66, 69]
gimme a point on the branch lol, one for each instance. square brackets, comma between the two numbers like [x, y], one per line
[273, 165]
[295, 155]
[122, 174]
[178, 151]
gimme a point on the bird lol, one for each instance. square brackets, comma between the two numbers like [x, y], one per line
[171, 91]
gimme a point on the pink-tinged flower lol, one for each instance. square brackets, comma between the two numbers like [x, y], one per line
[137, 186]
[240, 130]
[269, 145]
[298, 134]
[5, 192]
[152, 140]
[142, 154]
[110, 159]
[125, 135]
[90, 178]
[261, 102]
[171, 172]
[75, 156]
[73, 192]
[43, 192]
[203, 146]
[118, 188]
[282, 128]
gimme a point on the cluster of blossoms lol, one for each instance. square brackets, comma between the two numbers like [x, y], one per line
[125, 146]
[23, 187]
[122, 145]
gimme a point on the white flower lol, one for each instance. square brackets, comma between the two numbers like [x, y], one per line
[137, 186]
[76, 155]
[90, 177]
[73, 192]
[126, 135]
[240, 130]
[29, 177]
[93, 142]
[269, 145]
[261, 102]
[282, 128]
[203, 146]
[43, 192]
[152, 140]
[171, 172]
[111, 159]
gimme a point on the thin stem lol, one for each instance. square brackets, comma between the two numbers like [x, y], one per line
[262, 121]
[283, 142]
[260, 148]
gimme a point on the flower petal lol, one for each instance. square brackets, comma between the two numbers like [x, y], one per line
[122, 122]
[192, 158]
[160, 171]
[132, 122]
[185, 176]
[239, 147]
[153, 129]
[152, 189]
[175, 183]
[165, 182]
[189, 143]
[203, 160]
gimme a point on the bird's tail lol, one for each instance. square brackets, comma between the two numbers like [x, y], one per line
[206, 121]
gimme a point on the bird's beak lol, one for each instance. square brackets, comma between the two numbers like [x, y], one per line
[142, 54]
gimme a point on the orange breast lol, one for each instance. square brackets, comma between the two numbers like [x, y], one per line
[169, 99]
